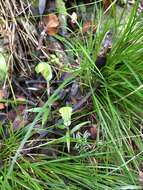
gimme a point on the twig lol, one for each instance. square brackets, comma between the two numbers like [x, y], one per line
[78, 105]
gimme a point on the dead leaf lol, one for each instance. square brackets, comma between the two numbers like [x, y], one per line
[11, 115]
[19, 122]
[20, 119]
[93, 131]
[2, 105]
[1, 93]
[51, 23]
[140, 176]
[88, 25]
[106, 4]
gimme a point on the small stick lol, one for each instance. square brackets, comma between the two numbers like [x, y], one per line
[79, 104]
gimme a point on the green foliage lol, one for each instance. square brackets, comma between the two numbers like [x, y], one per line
[54, 59]
[45, 112]
[60, 5]
[113, 160]
[66, 113]
[45, 69]
[3, 68]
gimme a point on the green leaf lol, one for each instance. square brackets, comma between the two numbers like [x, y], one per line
[54, 59]
[45, 69]
[3, 67]
[45, 115]
[66, 113]
[61, 126]
[35, 110]
[68, 140]
[45, 111]
[61, 8]
[77, 127]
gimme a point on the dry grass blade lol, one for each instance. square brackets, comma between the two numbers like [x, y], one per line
[18, 34]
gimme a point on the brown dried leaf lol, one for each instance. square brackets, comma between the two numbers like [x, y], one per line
[51, 23]
[93, 131]
[19, 122]
[1, 93]
[140, 176]
[2, 105]
[106, 4]
[88, 25]
[20, 119]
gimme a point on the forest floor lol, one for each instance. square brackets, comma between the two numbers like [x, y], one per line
[71, 95]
